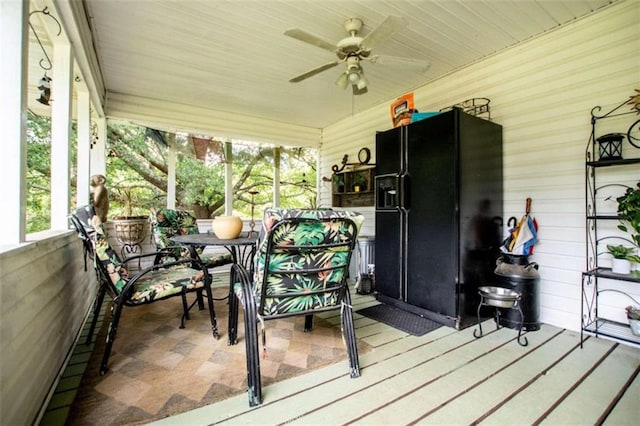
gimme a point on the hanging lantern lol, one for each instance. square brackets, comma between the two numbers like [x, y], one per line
[610, 146]
[45, 90]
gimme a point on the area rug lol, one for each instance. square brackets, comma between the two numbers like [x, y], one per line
[400, 319]
[157, 369]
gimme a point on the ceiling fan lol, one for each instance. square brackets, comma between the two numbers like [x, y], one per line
[353, 50]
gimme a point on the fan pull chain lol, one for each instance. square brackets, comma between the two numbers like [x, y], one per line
[353, 104]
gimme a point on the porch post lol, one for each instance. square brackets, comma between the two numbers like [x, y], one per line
[61, 87]
[228, 179]
[14, 54]
[171, 172]
[98, 150]
[84, 146]
[276, 176]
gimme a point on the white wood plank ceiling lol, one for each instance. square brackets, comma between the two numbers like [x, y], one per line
[233, 55]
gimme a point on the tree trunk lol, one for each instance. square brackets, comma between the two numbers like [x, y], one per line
[201, 212]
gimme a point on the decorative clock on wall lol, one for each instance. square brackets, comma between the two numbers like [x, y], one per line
[364, 155]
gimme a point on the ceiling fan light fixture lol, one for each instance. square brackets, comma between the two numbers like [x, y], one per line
[342, 81]
[352, 49]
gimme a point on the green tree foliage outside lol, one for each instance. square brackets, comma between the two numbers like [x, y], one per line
[137, 171]
[137, 174]
[39, 171]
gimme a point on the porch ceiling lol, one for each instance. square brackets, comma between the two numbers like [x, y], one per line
[232, 56]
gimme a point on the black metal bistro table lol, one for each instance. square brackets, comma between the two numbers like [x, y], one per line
[242, 251]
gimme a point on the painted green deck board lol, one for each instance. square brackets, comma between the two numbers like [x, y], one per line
[452, 375]
[299, 405]
[629, 404]
[499, 384]
[531, 402]
[430, 362]
[591, 398]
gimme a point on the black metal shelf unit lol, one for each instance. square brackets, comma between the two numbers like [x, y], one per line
[591, 321]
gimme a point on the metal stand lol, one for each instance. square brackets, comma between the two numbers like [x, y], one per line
[130, 250]
[252, 224]
[487, 299]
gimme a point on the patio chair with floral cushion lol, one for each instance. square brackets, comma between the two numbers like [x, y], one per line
[151, 284]
[81, 221]
[167, 223]
[300, 268]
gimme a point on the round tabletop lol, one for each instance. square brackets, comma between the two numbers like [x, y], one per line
[206, 239]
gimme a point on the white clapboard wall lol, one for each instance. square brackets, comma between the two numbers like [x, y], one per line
[541, 92]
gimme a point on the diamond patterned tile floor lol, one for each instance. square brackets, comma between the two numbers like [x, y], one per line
[158, 369]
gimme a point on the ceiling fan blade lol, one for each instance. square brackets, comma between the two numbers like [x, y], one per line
[342, 80]
[383, 31]
[313, 72]
[419, 64]
[357, 91]
[310, 38]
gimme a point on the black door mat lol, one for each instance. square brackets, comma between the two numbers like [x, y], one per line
[400, 319]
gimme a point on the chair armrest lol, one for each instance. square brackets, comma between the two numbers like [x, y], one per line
[162, 252]
[195, 264]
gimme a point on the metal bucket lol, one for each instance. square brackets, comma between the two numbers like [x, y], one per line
[366, 247]
[367, 253]
[515, 272]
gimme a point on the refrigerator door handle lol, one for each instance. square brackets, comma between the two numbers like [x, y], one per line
[404, 183]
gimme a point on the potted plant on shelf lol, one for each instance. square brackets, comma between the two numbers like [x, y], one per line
[359, 182]
[338, 182]
[620, 264]
[629, 213]
[629, 217]
[633, 315]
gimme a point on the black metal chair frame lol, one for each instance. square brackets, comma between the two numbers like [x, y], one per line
[88, 250]
[194, 252]
[122, 298]
[254, 312]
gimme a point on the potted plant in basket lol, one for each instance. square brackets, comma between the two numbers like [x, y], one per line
[633, 315]
[130, 229]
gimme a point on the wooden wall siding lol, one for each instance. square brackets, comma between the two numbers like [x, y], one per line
[45, 297]
[212, 122]
[541, 92]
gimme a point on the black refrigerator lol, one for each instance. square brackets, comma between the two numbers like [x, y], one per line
[438, 214]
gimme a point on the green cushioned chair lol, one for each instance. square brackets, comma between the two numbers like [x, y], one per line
[300, 268]
[81, 220]
[158, 282]
[167, 223]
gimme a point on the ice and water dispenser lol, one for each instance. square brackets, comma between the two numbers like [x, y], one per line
[387, 195]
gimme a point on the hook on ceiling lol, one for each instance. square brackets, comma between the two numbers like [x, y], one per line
[45, 63]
